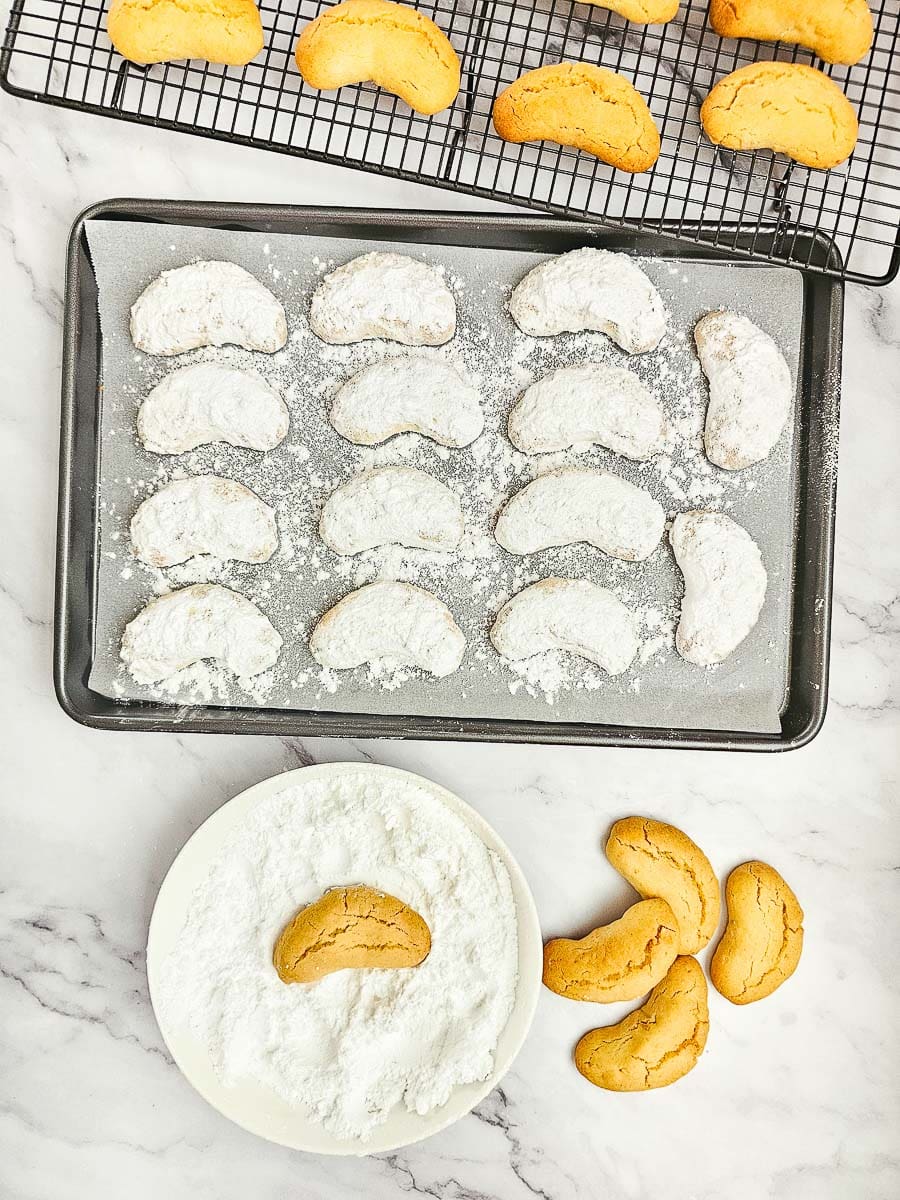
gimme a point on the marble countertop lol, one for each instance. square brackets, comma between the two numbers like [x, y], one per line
[797, 1097]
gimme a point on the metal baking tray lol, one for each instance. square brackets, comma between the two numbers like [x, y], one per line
[819, 380]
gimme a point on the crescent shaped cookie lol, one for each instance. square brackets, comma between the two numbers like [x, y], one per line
[155, 31]
[590, 404]
[567, 614]
[641, 12]
[391, 45]
[838, 31]
[207, 402]
[786, 107]
[398, 506]
[576, 504]
[207, 304]
[203, 515]
[194, 623]
[580, 105]
[590, 289]
[724, 585]
[380, 295]
[750, 389]
[408, 394]
[390, 621]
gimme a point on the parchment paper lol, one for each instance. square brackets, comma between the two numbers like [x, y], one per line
[304, 578]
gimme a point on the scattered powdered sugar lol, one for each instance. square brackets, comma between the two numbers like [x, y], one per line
[351, 1047]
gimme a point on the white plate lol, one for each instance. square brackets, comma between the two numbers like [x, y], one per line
[256, 1107]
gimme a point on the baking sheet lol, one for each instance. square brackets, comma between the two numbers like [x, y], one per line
[305, 578]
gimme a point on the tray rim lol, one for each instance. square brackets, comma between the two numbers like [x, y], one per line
[820, 291]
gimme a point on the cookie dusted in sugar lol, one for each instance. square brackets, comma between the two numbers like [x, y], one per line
[207, 304]
[576, 504]
[591, 289]
[589, 404]
[584, 106]
[215, 31]
[203, 515]
[384, 295]
[400, 506]
[397, 623]
[724, 585]
[750, 389]
[205, 621]
[391, 45]
[408, 394]
[572, 615]
[838, 31]
[209, 402]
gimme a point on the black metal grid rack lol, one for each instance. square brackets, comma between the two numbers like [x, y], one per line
[57, 51]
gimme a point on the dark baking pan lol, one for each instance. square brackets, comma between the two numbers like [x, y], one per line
[76, 582]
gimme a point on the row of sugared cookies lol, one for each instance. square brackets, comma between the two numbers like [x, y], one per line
[397, 298]
[790, 108]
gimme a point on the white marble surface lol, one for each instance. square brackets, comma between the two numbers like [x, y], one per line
[795, 1097]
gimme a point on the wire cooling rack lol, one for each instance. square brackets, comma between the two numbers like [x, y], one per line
[844, 222]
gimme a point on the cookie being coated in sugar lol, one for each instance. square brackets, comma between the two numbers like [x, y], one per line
[387, 621]
[750, 390]
[838, 31]
[577, 504]
[204, 514]
[156, 31]
[392, 45]
[724, 585]
[399, 506]
[584, 106]
[588, 404]
[195, 623]
[786, 107]
[573, 615]
[207, 304]
[659, 860]
[590, 289]
[380, 295]
[210, 402]
[408, 394]
[761, 945]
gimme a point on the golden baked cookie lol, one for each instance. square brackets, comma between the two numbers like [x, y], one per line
[578, 104]
[786, 107]
[620, 961]
[659, 860]
[350, 927]
[761, 945]
[657, 1043]
[641, 12]
[377, 41]
[838, 31]
[217, 31]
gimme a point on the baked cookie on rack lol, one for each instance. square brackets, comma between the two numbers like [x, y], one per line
[838, 31]
[155, 31]
[641, 12]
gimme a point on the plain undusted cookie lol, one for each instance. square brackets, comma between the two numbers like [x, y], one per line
[641, 12]
[590, 289]
[620, 961]
[590, 404]
[573, 615]
[656, 1044]
[380, 295]
[724, 585]
[761, 945]
[750, 389]
[204, 514]
[350, 927]
[209, 402]
[659, 860]
[207, 304]
[391, 45]
[155, 31]
[786, 107]
[408, 394]
[581, 105]
[577, 504]
[838, 31]
[400, 506]
[391, 621]
[194, 623]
